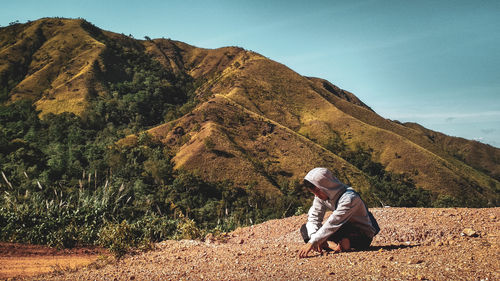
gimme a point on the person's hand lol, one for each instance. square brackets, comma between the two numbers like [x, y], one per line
[304, 250]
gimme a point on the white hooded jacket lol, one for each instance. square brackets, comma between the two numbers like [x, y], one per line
[350, 207]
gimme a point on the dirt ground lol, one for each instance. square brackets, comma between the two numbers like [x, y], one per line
[414, 244]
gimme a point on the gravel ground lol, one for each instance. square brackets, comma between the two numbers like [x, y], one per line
[414, 244]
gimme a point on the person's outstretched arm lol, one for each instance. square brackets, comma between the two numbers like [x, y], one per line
[315, 216]
[314, 222]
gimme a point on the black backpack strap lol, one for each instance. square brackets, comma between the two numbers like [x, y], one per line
[341, 194]
[370, 215]
[374, 222]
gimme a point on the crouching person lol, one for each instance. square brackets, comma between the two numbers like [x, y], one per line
[350, 226]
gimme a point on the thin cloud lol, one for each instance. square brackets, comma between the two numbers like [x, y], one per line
[449, 116]
[487, 131]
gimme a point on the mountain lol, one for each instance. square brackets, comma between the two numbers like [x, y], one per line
[233, 114]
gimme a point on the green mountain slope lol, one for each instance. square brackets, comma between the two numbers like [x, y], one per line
[232, 114]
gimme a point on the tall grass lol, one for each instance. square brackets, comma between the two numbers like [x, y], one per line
[85, 216]
[121, 216]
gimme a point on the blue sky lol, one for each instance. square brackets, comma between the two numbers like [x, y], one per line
[436, 63]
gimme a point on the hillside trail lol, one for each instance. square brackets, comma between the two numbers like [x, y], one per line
[414, 244]
[270, 121]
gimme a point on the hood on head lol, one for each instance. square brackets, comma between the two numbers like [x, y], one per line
[323, 179]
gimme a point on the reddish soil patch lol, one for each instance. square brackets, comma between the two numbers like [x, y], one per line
[21, 260]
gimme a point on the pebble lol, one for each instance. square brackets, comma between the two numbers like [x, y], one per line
[415, 261]
[469, 232]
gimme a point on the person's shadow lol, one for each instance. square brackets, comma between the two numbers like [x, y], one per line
[370, 249]
[388, 247]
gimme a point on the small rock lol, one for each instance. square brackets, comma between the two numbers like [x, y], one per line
[241, 241]
[492, 217]
[390, 258]
[331, 273]
[415, 261]
[469, 232]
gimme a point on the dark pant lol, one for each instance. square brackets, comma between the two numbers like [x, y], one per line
[358, 239]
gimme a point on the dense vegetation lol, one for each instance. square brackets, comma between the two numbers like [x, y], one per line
[65, 182]
[390, 189]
